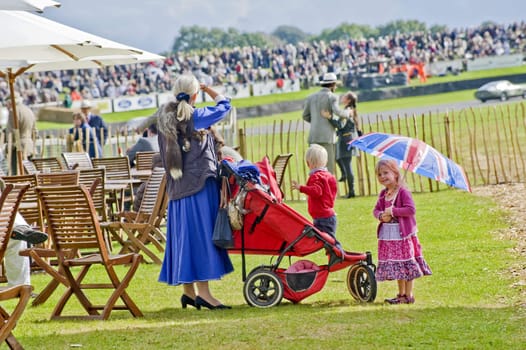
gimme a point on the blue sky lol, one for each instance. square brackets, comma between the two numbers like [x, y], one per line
[152, 25]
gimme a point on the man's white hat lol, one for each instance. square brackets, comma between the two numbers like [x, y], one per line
[329, 78]
[85, 104]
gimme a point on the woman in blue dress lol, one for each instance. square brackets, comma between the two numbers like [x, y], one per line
[188, 154]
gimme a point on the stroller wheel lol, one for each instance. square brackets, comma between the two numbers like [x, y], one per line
[350, 279]
[361, 283]
[263, 289]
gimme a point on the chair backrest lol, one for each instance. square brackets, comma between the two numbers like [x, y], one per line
[280, 165]
[29, 167]
[87, 177]
[117, 168]
[30, 207]
[53, 165]
[143, 160]
[63, 178]
[154, 195]
[9, 201]
[73, 223]
[77, 160]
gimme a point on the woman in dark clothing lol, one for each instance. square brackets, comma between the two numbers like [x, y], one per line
[347, 129]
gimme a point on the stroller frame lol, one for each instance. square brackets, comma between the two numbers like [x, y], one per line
[263, 233]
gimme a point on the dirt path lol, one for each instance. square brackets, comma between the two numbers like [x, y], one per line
[512, 198]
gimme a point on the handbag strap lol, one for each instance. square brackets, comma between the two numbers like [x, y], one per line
[223, 197]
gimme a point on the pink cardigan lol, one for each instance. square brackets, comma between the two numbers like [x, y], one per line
[403, 211]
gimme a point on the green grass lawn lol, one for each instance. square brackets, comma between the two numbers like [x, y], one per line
[468, 302]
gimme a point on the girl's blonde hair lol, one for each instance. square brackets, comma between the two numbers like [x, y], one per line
[392, 166]
[316, 156]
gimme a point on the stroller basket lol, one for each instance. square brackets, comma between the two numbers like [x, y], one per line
[299, 282]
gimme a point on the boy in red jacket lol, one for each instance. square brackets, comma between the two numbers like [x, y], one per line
[321, 189]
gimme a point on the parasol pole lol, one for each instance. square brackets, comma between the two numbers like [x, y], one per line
[19, 154]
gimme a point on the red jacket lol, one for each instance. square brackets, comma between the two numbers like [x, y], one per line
[321, 189]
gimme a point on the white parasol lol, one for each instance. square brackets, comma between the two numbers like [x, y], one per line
[27, 5]
[34, 43]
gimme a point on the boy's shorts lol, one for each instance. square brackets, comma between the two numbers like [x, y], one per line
[327, 225]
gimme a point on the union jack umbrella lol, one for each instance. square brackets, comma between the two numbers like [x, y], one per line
[413, 155]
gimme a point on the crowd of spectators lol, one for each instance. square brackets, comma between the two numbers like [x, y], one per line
[304, 61]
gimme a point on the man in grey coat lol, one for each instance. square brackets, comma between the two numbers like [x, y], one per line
[149, 143]
[324, 102]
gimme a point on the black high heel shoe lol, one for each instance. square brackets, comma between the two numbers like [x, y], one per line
[202, 302]
[186, 300]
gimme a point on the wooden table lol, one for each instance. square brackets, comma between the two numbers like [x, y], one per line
[143, 175]
[116, 191]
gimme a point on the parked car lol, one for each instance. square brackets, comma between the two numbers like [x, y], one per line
[500, 89]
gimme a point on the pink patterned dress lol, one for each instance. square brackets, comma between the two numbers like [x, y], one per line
[399, 250]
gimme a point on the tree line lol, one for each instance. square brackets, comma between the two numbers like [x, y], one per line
[195, 38]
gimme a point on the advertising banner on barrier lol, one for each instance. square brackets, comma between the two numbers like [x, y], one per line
[164, 97]
[233, 91]
[495, 62]
[439, 68]
[138, 102]
[275, 87]
[132, 103]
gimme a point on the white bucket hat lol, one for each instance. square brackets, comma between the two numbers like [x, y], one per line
[85, 104]
[329, 78]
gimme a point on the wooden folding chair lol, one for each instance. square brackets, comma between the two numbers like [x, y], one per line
[280, 165]
[95, 179]
[44, 257]
[9, 202]
[30, 206]
[29, 167]
[143, 160]
[77, 160]
[52, 165]
[143, 227]
[117, 173]
[58, 179]
[74, 228]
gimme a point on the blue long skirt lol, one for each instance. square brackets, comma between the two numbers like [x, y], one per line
[190, 255]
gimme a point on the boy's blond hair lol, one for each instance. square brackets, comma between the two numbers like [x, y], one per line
[316, 156]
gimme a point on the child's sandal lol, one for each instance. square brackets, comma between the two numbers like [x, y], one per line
[409, 300]
[397, 300]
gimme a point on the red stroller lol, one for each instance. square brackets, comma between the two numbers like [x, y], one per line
[270, 227]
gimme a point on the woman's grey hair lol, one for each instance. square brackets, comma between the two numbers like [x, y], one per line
[182, 110]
